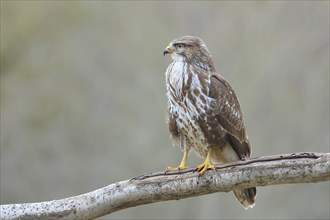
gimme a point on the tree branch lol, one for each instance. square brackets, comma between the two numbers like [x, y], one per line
[161, 186]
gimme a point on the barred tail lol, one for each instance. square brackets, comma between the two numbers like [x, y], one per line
[246, 197]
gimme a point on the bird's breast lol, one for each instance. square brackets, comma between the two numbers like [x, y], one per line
[187, 93]
[187, 90]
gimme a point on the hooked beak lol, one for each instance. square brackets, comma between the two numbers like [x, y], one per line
[168, 50]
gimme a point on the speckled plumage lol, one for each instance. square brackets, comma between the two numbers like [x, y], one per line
[204, 111]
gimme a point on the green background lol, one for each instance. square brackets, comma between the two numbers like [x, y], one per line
[83, 98]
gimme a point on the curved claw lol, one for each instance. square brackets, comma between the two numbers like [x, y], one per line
[205, 166]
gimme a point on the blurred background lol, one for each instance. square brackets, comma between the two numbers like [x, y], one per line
[83, 100]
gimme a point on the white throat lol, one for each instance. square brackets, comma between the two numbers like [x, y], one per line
[177, 58]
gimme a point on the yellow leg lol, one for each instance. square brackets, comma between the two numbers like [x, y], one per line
[206, 165]
[182, 165]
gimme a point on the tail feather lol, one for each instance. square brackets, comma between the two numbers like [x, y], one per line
[246, 197]
[227, 154]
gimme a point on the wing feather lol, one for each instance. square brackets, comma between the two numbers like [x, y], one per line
[227, 111]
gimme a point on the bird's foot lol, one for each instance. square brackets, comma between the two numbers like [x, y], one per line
[205, 166]
[181, 167]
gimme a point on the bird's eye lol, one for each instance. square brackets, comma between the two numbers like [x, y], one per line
[179, 46]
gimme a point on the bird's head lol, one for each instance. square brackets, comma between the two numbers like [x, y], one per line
[190, 49]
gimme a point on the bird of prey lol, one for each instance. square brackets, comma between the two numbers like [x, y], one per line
[203, 111]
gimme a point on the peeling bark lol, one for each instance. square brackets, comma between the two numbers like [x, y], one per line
[261, 171]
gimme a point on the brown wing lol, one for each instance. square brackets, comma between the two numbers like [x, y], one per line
[226, 109]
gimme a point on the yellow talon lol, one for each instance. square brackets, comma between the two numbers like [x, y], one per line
[206, 165]
[182, 165]
[176, 168]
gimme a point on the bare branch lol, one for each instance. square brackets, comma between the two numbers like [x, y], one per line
[156, 187]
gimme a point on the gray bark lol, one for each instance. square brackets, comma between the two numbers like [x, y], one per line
[161, 186]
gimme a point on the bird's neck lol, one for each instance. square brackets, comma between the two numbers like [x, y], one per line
[204, 63]
[177, 58]
[204, 66]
